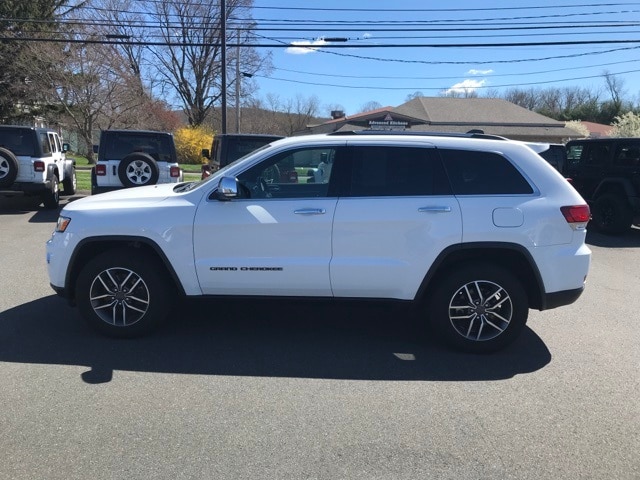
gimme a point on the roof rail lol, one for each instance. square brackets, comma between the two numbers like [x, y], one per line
[470, 134]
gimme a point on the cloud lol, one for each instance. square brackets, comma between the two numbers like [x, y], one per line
[305, 46]
[465, 86]
[473, 71]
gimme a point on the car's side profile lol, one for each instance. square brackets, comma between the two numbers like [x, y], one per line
[473, 231]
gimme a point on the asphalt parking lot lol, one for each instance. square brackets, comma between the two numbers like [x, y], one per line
[305, 390]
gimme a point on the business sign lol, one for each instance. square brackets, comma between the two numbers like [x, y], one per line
[388, 123]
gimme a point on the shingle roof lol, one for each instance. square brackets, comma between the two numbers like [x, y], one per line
[472, 111]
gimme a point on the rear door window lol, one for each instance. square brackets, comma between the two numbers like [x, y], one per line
[396, 171]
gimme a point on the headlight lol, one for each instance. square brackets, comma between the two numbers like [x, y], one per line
[63, 223]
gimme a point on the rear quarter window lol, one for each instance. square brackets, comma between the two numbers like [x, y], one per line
[483, 173]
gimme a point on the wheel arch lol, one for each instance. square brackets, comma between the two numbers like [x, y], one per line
[91, 247]
[512, 257]
[52, 171]
[616, 186]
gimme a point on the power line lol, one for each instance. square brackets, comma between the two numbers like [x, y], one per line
[435, 10]
[279, 44]
[365, 87]
[484, 75]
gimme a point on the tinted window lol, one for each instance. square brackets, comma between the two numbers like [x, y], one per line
[44, 142]
[19, 141]
[627, 154]
[596, 154]
[396, 171]
[483, 173]
[119, 146]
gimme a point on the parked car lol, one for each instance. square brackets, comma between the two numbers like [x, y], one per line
[228, 147]
[606, 172]
[134, 158]
[471, 230]
[33, 162]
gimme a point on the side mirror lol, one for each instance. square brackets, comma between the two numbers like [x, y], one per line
[66, 147]
[205, 153]
[227, 189]
[95, 149]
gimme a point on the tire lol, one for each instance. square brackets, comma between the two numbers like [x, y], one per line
[124, 293]
[611, 214]
[70, 183]
[479, 308]
[8, 167]
[137, 170]
[51, 198]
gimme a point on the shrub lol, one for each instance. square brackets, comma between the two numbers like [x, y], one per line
[189, 144]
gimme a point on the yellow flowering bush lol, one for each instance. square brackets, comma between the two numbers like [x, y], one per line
[189, 143]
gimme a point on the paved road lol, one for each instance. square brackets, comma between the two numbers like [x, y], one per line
[304, 391]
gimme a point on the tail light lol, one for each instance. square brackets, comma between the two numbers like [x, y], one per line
[38, 166]
[576, 213]
[101, 170]
[174, 172]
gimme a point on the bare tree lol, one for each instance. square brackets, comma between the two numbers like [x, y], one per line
[371, 105]
[190, 61]
[615, 87]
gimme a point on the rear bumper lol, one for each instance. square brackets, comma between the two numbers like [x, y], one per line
[23, 188]
[559, 299]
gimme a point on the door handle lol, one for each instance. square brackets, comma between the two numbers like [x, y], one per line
[310, 211]
[435, 209]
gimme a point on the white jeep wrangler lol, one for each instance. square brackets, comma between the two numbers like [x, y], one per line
[33, 162]
[134, 158]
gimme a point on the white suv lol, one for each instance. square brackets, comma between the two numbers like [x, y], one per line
[33, 162]
[134, 158]
[473, 230]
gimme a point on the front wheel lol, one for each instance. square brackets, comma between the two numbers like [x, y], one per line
[479, 308]
[123, 293]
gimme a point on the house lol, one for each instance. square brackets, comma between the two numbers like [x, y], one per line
[444, 114]
[598, 130]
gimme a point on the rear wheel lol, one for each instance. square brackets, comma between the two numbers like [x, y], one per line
[479, 308]
[123, 293]
[612, 214]
[51, 197]
[70, 183]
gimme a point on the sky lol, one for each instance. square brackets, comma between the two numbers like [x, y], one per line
[375, 62]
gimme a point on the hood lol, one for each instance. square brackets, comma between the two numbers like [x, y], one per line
[135, 197]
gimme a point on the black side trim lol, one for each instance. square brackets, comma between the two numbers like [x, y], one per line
[460, 249]
[73, 268]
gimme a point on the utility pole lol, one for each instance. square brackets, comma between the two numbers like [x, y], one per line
[238, 85]
[223, 55]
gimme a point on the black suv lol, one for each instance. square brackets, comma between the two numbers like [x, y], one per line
[606, 172]
[229, 147]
